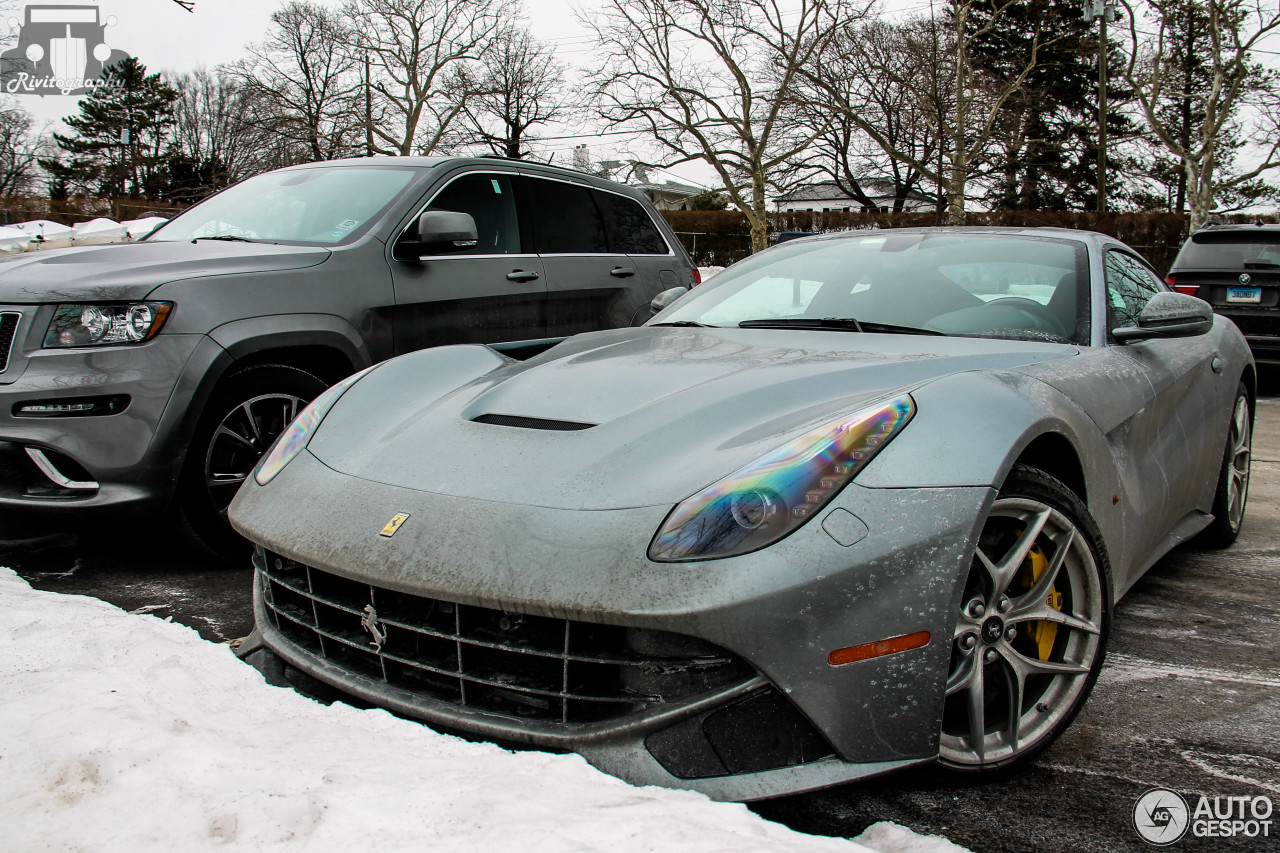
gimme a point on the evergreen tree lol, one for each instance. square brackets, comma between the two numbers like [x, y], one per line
[120, 136]
[1047, 150]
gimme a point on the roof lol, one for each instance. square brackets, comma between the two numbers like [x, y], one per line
[831, 191]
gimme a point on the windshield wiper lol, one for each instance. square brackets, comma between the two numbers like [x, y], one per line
[686, 323]
[834, 324]
[231, 238]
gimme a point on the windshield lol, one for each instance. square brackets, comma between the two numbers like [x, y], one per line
[315, 205]
[1230, 250]
[955, 283]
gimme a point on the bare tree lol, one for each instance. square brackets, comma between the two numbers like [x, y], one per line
[417, 77]
[520, 85]
[213, 131]
[711, 81]
[19, 150]
[303, 82]
[1239, 101]
[893, 101]
[964, 109]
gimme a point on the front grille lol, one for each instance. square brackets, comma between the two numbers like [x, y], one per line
[8, 329]
[557, 671]
[523, 422]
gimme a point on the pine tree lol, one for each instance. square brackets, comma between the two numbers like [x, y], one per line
[120, 136]
[1046, 156]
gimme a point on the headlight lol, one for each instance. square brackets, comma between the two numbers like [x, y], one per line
[98, 325]
[757, 505]
[297, 434]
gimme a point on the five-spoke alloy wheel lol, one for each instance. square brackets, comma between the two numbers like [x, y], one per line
[1032, 628]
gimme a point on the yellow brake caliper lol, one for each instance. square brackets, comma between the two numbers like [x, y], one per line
[1044, 632]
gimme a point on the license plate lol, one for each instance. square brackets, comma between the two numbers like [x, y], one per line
[1244, 294]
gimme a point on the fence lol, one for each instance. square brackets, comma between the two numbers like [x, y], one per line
[720, 237]
[72, 210]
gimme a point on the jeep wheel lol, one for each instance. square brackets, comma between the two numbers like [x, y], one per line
[247, 412]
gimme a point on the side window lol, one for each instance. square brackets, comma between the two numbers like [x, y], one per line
[1129, 286]
[630, 229]
[490, 200]
[565, 220]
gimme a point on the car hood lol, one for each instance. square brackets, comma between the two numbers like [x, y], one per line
[118, 271]
[671, 410]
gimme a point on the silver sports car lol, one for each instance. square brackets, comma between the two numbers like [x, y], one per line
[861, 501]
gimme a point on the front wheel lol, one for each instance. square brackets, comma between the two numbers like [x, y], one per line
[246, 414]
[1032, 629]
[1233, 476]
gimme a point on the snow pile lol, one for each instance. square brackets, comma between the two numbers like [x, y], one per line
[46, 233]
[14, 240]
[139, 228]
[124, 732]
[98, 231]
[708, 272]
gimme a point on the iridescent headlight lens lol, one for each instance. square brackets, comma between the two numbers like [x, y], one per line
[759, 504]
[297, 434]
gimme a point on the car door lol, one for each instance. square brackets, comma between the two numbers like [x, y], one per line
[491, 293]
[1170, 449]
[589, 286]
[632, 230]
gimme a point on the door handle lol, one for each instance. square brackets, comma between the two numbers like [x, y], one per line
[521, 275]
[622, 272]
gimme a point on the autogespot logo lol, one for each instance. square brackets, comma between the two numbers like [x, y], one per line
[1163, 817]
[61, 50]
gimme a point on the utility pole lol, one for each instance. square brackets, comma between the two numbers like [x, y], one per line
[1102, 11]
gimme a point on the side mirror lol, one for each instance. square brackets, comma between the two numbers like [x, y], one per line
[666, 297]
[440, 232]
[1169, 315]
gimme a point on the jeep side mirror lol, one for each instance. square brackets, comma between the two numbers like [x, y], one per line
[440, 232]
[1169, 315]
[666, 297]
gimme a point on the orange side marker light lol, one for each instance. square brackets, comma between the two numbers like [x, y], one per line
[879, 648]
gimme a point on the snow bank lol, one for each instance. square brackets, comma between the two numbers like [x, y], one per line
[14, 241]
[47, 233]
[123, 733]
[139, 228]
[98, 231]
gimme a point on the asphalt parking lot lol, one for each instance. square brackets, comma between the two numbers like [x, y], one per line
[1189, 699]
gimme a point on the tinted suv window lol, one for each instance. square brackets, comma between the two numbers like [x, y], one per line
[565, 219]
[1230, 250]
[1130, 284]
[490, 200]
[631, 231]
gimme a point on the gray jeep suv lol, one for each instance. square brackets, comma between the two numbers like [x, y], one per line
[135, 377]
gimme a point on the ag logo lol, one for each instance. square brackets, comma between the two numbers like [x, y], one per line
[61, 50]
[1161, 816]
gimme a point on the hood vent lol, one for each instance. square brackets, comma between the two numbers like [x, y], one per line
[521, 422]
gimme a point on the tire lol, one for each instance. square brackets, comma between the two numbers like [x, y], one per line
[1032, 630]
[1233, 477]
[247, 412]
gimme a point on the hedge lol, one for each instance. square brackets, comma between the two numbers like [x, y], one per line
[720, 237]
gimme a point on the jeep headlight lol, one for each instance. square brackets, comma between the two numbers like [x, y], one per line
[101, 325]
[761, 503]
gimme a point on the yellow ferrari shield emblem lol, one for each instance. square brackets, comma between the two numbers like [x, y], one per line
[394, 524]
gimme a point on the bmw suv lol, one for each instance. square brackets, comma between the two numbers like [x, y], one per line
[1236, 269]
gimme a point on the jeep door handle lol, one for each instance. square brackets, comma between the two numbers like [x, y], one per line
[521, 275]
[622, 272]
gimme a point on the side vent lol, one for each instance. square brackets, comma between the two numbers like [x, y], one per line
[521, 422]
